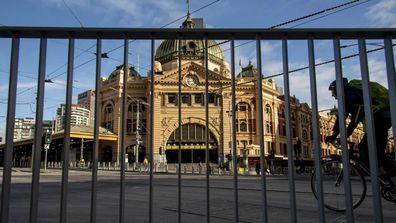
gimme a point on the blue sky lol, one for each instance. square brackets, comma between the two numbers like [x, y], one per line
[156, 13]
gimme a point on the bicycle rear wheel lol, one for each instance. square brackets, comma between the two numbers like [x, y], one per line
[333, 185]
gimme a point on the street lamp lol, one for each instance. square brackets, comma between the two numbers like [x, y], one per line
[138, 128]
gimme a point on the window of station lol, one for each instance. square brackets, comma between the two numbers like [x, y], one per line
[198, 98]
[305, 134]
[189, 99]
[268, 126]
[172, 98]
[243, 126]
[144, 127]
[268, 110]
[129, 126]
[242, 107]
[192, 133]
[212, 98]
[185, 98]
[108, 109]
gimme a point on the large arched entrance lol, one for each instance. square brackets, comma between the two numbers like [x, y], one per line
[192, 145]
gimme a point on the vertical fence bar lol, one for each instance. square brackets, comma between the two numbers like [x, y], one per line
[38, 133]
[390, 70]
[207, 128]
[370, 128]
[342, 126]
[96, 130]
[290, 163]
[123, 130]
[180, 135]
[261, 131]
[9, 141]
[66, 142]
[315, 130]
[151, 191]
[233, 142]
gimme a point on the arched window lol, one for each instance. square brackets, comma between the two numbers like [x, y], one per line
[243, 107]
[191, 133]
[108, 117]
[281, 112]
[243, 126]
[305, 134]
[108, 109]
[268, 110]
[268, 126]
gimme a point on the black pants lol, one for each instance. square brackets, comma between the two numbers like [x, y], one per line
[382, 123]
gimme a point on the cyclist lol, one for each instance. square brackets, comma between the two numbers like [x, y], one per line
[382, 123]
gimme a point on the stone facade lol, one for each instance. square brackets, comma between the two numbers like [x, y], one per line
[193, 119]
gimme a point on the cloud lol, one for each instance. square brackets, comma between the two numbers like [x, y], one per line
[59, 3]
[299, 82]
[383, 13]
[377, 71]
[131, 13]
[149, 12]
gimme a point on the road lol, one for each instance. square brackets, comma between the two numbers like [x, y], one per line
[165, 198]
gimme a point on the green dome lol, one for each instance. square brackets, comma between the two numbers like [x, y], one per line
[190, 49]
[131, 71]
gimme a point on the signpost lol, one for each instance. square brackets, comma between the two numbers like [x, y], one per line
[47, 143]
[46, 147]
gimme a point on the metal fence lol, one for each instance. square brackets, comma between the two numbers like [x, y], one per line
[309, 35]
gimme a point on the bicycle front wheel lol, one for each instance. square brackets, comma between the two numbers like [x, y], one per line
[333, 185]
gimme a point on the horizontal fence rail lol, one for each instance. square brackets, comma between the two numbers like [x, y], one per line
[44, 34]
[237, 34]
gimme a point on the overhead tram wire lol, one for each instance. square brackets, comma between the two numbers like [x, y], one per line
[114, 49]
[295, 20]
[319, 12]
[320, 17]
[272, 27]
[76, 67]
[306, 67]
[83, 51]
[74, 14]
[87, 50]
[305, 17]
[170, 23]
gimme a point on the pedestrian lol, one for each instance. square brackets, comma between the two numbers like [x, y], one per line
[258, 168]
[145, 163]
[297, 148]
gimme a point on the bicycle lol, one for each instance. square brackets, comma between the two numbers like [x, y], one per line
[333, 187]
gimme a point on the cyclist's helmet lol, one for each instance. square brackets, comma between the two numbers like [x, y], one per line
[333, 85]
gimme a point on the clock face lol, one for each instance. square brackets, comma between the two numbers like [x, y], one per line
[191, 80]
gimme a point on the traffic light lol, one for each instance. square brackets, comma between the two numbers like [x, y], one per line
[48, 138]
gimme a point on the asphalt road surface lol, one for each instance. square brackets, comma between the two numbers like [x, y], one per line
[193, 208]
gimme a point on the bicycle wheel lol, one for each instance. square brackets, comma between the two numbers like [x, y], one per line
[333, 185]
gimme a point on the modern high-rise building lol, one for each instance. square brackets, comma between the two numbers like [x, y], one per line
[79, 116]
[24, 128]
[87, 100]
